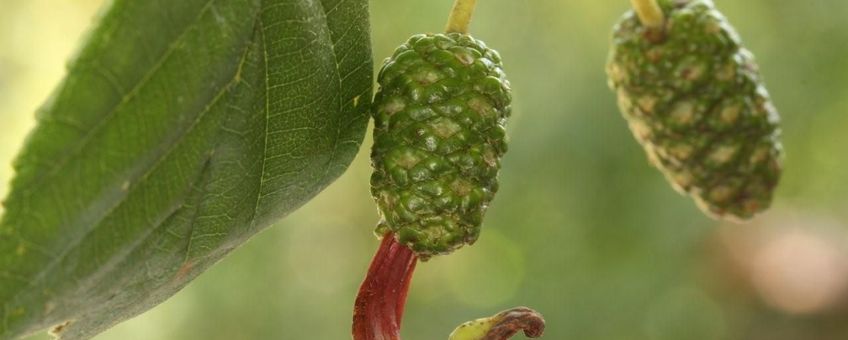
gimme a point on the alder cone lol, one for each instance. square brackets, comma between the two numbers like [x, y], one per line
[439, 135]
[694, 99]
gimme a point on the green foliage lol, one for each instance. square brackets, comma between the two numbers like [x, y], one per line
[439, 135]
[181, 129]
[582, 229]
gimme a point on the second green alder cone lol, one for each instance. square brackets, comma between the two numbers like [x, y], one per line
[694, 99]
[439, 135]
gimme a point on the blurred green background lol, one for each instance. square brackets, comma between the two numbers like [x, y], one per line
[583, 229]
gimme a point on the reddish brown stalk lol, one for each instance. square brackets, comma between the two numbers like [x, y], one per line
[378, 310]
[514, 320]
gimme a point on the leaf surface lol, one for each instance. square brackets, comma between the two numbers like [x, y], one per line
[181, 129]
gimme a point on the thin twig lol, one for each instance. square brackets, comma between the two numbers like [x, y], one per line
[460, 16]
[649, 12]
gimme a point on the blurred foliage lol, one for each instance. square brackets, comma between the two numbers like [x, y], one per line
[583, 230]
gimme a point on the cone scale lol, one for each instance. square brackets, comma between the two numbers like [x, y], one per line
[694, 99]
[440, 132]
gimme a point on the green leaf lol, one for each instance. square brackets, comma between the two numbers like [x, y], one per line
[181, 129]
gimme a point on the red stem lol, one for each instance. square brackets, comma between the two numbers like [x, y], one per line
[378, 310]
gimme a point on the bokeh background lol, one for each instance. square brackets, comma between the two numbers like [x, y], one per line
[583, 229]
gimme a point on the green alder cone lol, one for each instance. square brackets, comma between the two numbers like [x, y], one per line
[440, 115]
[694, 99]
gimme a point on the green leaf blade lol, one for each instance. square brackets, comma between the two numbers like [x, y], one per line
[248, 114]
